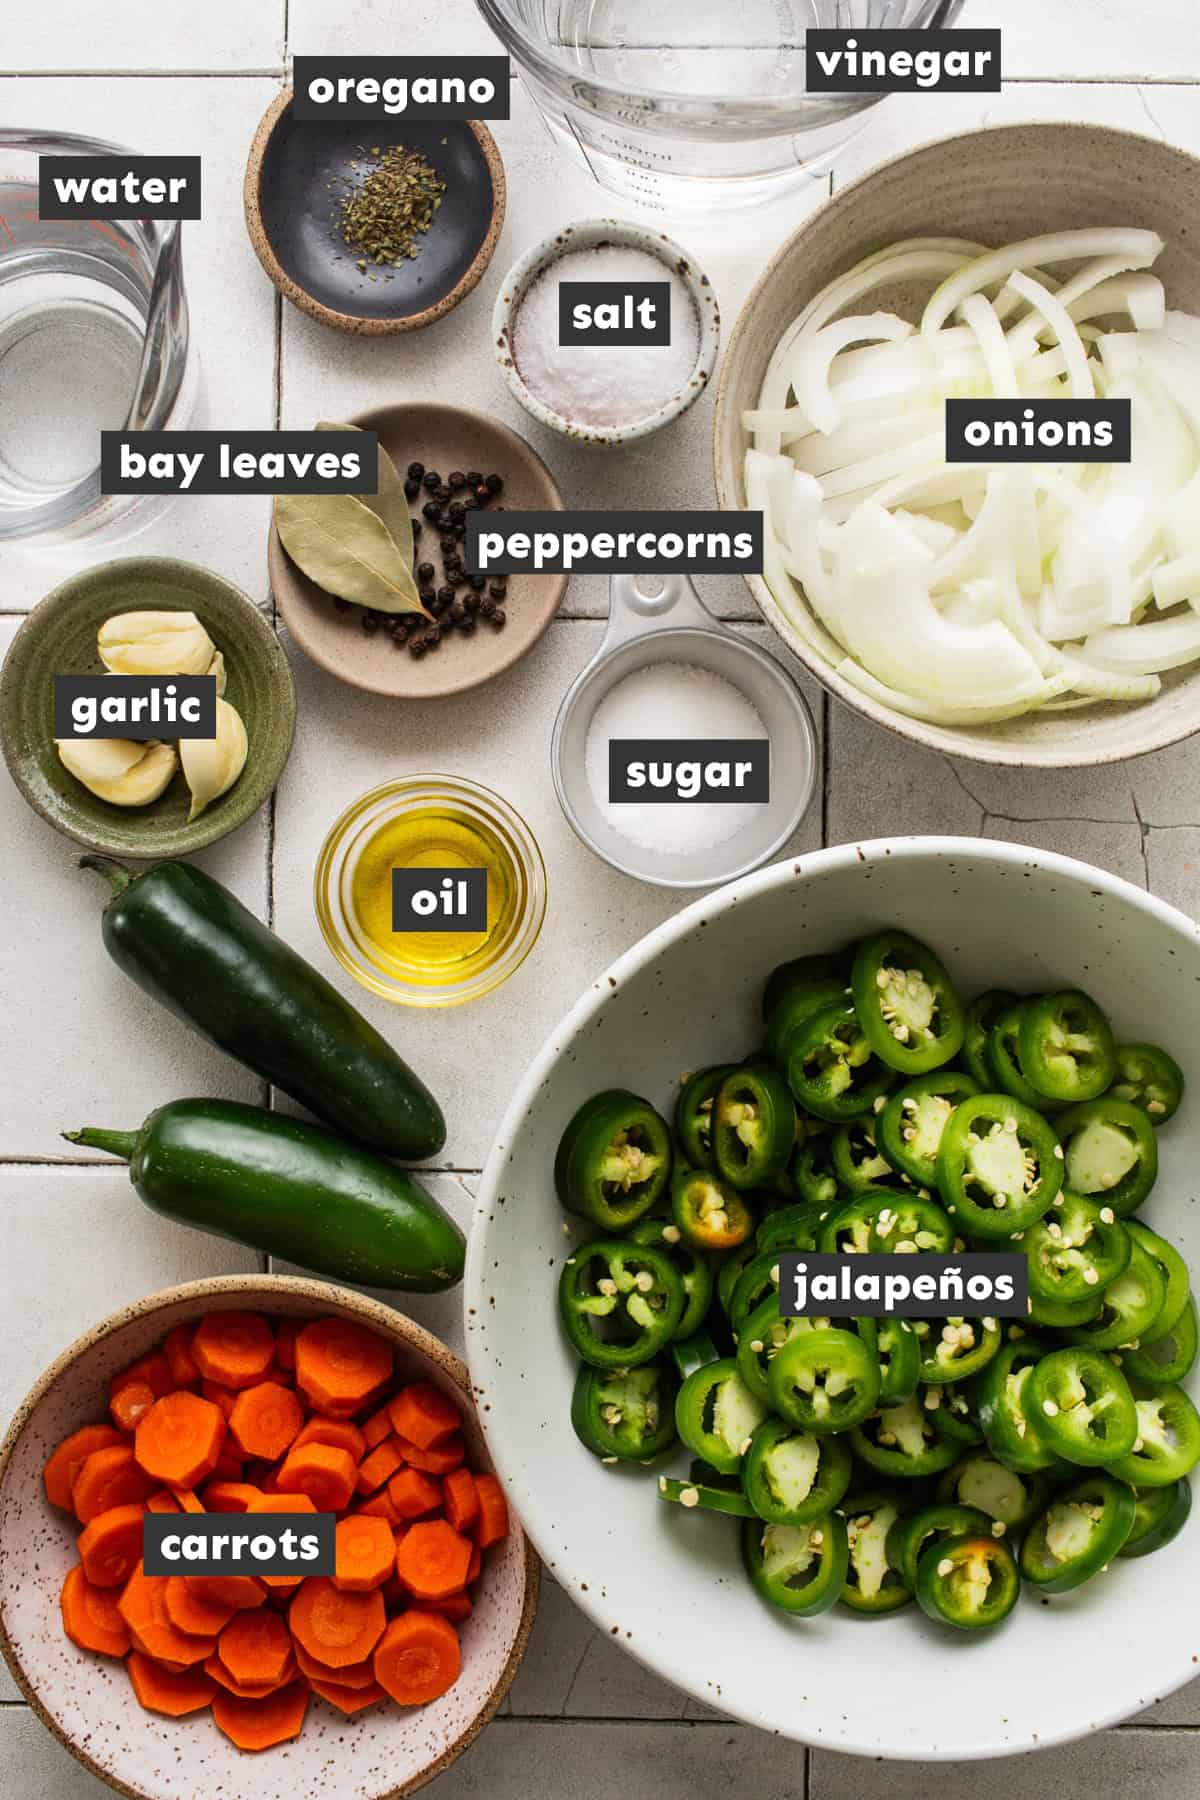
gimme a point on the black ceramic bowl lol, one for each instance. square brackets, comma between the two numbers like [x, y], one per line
[295, 177]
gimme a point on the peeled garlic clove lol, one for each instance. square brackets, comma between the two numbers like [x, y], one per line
[118, 770]
[217, 667]
[155, 643]
[212, 765]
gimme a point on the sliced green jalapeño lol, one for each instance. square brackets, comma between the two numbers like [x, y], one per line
[800, 1568]
[1160, 1515]
[1067, 1049]
[1075, 1250]
[1148, 1078]
[791, 1477]
[1078, 1534]
[1079, 1404]
[906, 1002]
[613, 1160]
[716, 1415]
[753, 1126]
[823, 1381]
[910, 1127]
[1111, 1153]
[628, 1414]
[620, 1303]
[970, 1582]
[999, 1166]
[832, 1068]
[873, 1587]
[693, 1114]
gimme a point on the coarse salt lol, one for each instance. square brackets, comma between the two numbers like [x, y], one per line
[679, 701]
[603, 384]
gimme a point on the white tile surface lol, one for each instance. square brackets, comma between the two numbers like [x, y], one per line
[143, 34]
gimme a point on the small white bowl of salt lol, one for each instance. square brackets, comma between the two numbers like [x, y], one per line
[609, 391]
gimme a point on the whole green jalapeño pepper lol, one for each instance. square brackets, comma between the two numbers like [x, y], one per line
[1075, 1249]
[791, 1477]
[693, 1114]
[1110, 1151]
[753, 1126]
[1160, 1514]
[1148, 1078]
[823, 1381]
[912, 1017]
[800, 1568]
[969, 1582]
[873, 1588]
[1079, 1533]
[613, 1160]
[910, 1127]
[628, 1414]
[832, 1068]
[632, 1293]
[716, 1415]
[1080, 1405]
[999, 1166]
[1067, 1049]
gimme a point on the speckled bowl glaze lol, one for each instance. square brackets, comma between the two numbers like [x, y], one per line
[59, 638]
[590, 234]
[87, 1702]
[668, 1585]
[995, 186]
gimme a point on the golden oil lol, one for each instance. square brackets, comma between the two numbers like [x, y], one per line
[433, 836]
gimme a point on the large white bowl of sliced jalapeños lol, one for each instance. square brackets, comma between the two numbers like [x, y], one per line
[887, 1536]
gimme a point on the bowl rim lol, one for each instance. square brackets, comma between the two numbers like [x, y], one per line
[355, 323]
[386, 1319]
[263, 777]
[951, 740]
[877, 852]
[590, 234]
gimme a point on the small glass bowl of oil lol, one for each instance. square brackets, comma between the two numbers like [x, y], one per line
[436, 822]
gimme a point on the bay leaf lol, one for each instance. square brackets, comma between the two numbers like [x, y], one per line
[346, 549]
[388, 502]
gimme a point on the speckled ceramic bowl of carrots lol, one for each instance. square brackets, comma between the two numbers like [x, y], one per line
[264, 1678]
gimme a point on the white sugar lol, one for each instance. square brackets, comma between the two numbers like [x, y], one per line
[603, 384]
[671, 700]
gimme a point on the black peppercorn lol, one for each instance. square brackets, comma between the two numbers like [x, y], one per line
[483, 494]
[455, 510]
[446, 595]
[469, 503]
[431, 510]
[477, 582]
[433, 637]
[487, 608]
[442, 493]
[415, 471]
[473, 478]
[431, 481]
[416, 645]
[425, 595]
[454, 574]
[494, 483]
[437, 607]
[467, 625]
[448, 543]
[460, 534]
[499, 590]
[456, 479]
[472, 602]
[411, 489]
[425, 573]
[499, 618]
[457, 613]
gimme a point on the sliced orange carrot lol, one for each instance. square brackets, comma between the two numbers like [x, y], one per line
[143, 1607]
[192, 1612]
[220, 1396]
[334, 1627]
[439, 1459]
[234, 1348]
[286, 1333]
[322, 1472]
[163, 1501]
[110, 1545]
[255, 1647]
[237, 1591]
[180, 1439]
[432, 1560]
[259, 1724]
[417, 1658]
[131, 1403]
[230, 1496]
[62, 1470]
[177, 1348]
[412, 1493]
[91, 1618]
[349, 1700]
[350, 1675]
[250, 1690]
[160, 1691]
[153, 1369]
[265, 1419]
[109, 1477]
[492, 1524]
[282, 1503]
[423, 1415]
[366, 1553]
[338, 1432]
[228, 1466]
[189, 1500]
[455, 1607]
[340, 1366]
[460, 1498]
[475, 1564]
[381, 1506]
[379, 1466]
[377, 1427]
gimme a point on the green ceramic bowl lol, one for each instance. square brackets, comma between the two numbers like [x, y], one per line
[59, 638]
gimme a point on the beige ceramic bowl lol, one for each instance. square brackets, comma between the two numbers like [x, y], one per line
[87, 1702]
[995, 186]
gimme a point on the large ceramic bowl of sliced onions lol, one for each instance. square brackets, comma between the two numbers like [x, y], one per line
[1017, 610]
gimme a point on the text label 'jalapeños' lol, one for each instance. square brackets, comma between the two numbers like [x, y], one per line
[239, 462]
[140, 707]
[902, 62]
[615, 543]
[119, 187]
[914, 1287]
[239, 1543]
[1038, 431]
[387, 87]
[729, 771]
[439, 900]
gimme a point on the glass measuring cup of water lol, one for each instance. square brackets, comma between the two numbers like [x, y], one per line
[93, 337]
[688, 107]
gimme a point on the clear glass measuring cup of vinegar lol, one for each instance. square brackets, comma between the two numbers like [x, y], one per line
[93, 337]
